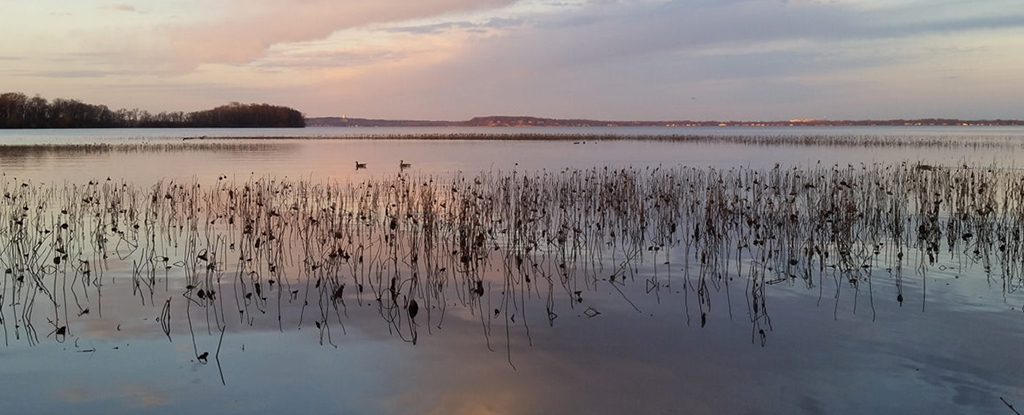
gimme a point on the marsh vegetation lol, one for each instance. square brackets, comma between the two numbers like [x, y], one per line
[512, 248]
[142, 269]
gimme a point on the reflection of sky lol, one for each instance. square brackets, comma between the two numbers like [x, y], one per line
[149, 159]
[822, 355]
[616, 363]
[934, 362]
[818, 358]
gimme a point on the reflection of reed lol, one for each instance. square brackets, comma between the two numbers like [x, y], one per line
[505, 247]
[823, 140]
[17, 152]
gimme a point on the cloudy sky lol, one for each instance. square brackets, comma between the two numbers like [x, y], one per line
[455, 59]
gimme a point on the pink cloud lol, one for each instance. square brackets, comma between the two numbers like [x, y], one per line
[255, 25]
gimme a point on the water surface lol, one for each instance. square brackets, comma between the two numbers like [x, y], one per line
[947, 347]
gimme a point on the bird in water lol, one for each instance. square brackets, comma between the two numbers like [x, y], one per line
[360, 165]
[402, 165]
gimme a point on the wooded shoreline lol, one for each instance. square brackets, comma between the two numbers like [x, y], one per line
[18, 111]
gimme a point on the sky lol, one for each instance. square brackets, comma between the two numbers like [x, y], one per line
[596, 59]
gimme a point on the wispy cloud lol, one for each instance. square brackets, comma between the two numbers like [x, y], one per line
[327, 59]
[454, 59]
[436, 28]
[72, 73]
[122, 7]
[618, 31]
[256, 25]
[752, 59]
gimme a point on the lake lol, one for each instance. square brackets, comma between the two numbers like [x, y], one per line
[512, 270]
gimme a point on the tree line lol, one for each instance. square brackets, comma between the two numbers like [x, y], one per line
[17, 110]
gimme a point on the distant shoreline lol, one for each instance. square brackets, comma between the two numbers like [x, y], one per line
[517, 121]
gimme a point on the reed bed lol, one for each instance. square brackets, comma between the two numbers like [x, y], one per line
[26, 150]
[510, 248]
[820, 140]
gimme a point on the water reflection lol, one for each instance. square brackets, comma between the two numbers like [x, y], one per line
[71, 136]
[561, 290]
[146, 161]
[32, 155]
[506, 250]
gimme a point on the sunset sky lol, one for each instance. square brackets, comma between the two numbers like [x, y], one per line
[598, 59]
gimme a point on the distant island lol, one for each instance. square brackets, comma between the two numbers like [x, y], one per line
[17, 110]
[516, 121]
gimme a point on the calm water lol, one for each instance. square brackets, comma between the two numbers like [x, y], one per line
[949, 347]
[150, 155]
